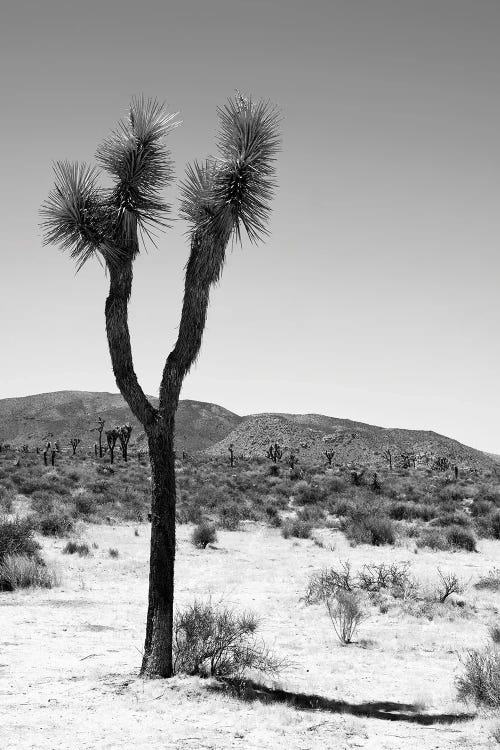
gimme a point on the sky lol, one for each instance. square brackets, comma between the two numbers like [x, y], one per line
[374, 297]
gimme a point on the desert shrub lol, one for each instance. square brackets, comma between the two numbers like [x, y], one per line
[6, 500]
[346, 614]
[450, 495]
[494, 524]
[214, 640]
[495, 634]
[308, 494]
[203, 535]
[325, 583]
[490, 495]
[272, 515]
[73, 548]
[433, 539]
[342, 506]
[455, 518]
[230, 516]
[113, 552]
[394, 576]
[409, 511]
[449, 584]
[461, 538]
[371, 529]
[54, 523]
[491, 581]
[42, 501]
[49, 482]
[481, 507]
[335, 485]
[296, 527]
[480, 682]
[16, 538]
[21, 571]
[84, 505]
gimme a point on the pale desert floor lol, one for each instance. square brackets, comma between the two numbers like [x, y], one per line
[69, 656]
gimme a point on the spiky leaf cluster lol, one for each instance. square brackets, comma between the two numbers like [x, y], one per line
[74, 216]
[235, 190]
[136, 158]
[87, 220]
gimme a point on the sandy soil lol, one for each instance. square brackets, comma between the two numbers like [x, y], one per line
[69, 656]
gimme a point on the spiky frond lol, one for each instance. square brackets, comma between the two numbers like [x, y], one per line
[137, 159]
[197, 193]
[74, 215]
[248, 143]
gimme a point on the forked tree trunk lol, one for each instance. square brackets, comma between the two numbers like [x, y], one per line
[157, 659]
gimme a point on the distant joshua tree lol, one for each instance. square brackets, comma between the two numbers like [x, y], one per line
[275, 453]
[219, 198]
[100, 427]
[231, 455]
[441, 463]
[75, 442]
[124, 433]
[111, 438]
[387, 454]
[329, 456]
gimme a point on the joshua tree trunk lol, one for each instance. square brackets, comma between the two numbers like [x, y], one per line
[157, 659]
[159, 426]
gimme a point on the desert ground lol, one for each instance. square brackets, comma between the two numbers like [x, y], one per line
[70, 655]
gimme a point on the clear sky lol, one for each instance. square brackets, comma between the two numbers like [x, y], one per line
[376, 296]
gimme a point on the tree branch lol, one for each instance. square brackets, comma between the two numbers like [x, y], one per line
[116, 311]
[203, 269]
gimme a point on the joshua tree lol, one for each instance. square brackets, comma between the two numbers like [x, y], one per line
[329, 456]
[219, 198]
[111, 438]
[100, 427]
[231, 455]
[75, 442]
[387, 454]
[124, 433]
[275, 453]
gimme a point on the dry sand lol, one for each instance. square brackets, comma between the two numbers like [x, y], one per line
[69, 656]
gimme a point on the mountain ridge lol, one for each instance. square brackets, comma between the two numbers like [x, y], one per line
[206, 427]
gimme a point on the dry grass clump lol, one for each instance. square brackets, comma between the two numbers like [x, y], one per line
[461, 538]
[20, 572]
[56, 522]
[368, 528]
[113, 552]
[491, 581]
[480, 681]
[296, 527]
[78, 548]
[16, 537]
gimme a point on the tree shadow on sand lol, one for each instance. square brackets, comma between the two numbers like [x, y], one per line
[389, 711]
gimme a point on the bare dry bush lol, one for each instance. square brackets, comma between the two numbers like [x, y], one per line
[346, 614]
[214, 640]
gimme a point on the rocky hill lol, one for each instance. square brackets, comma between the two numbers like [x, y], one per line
[309, 435]
[63, 415]
[210, 428]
